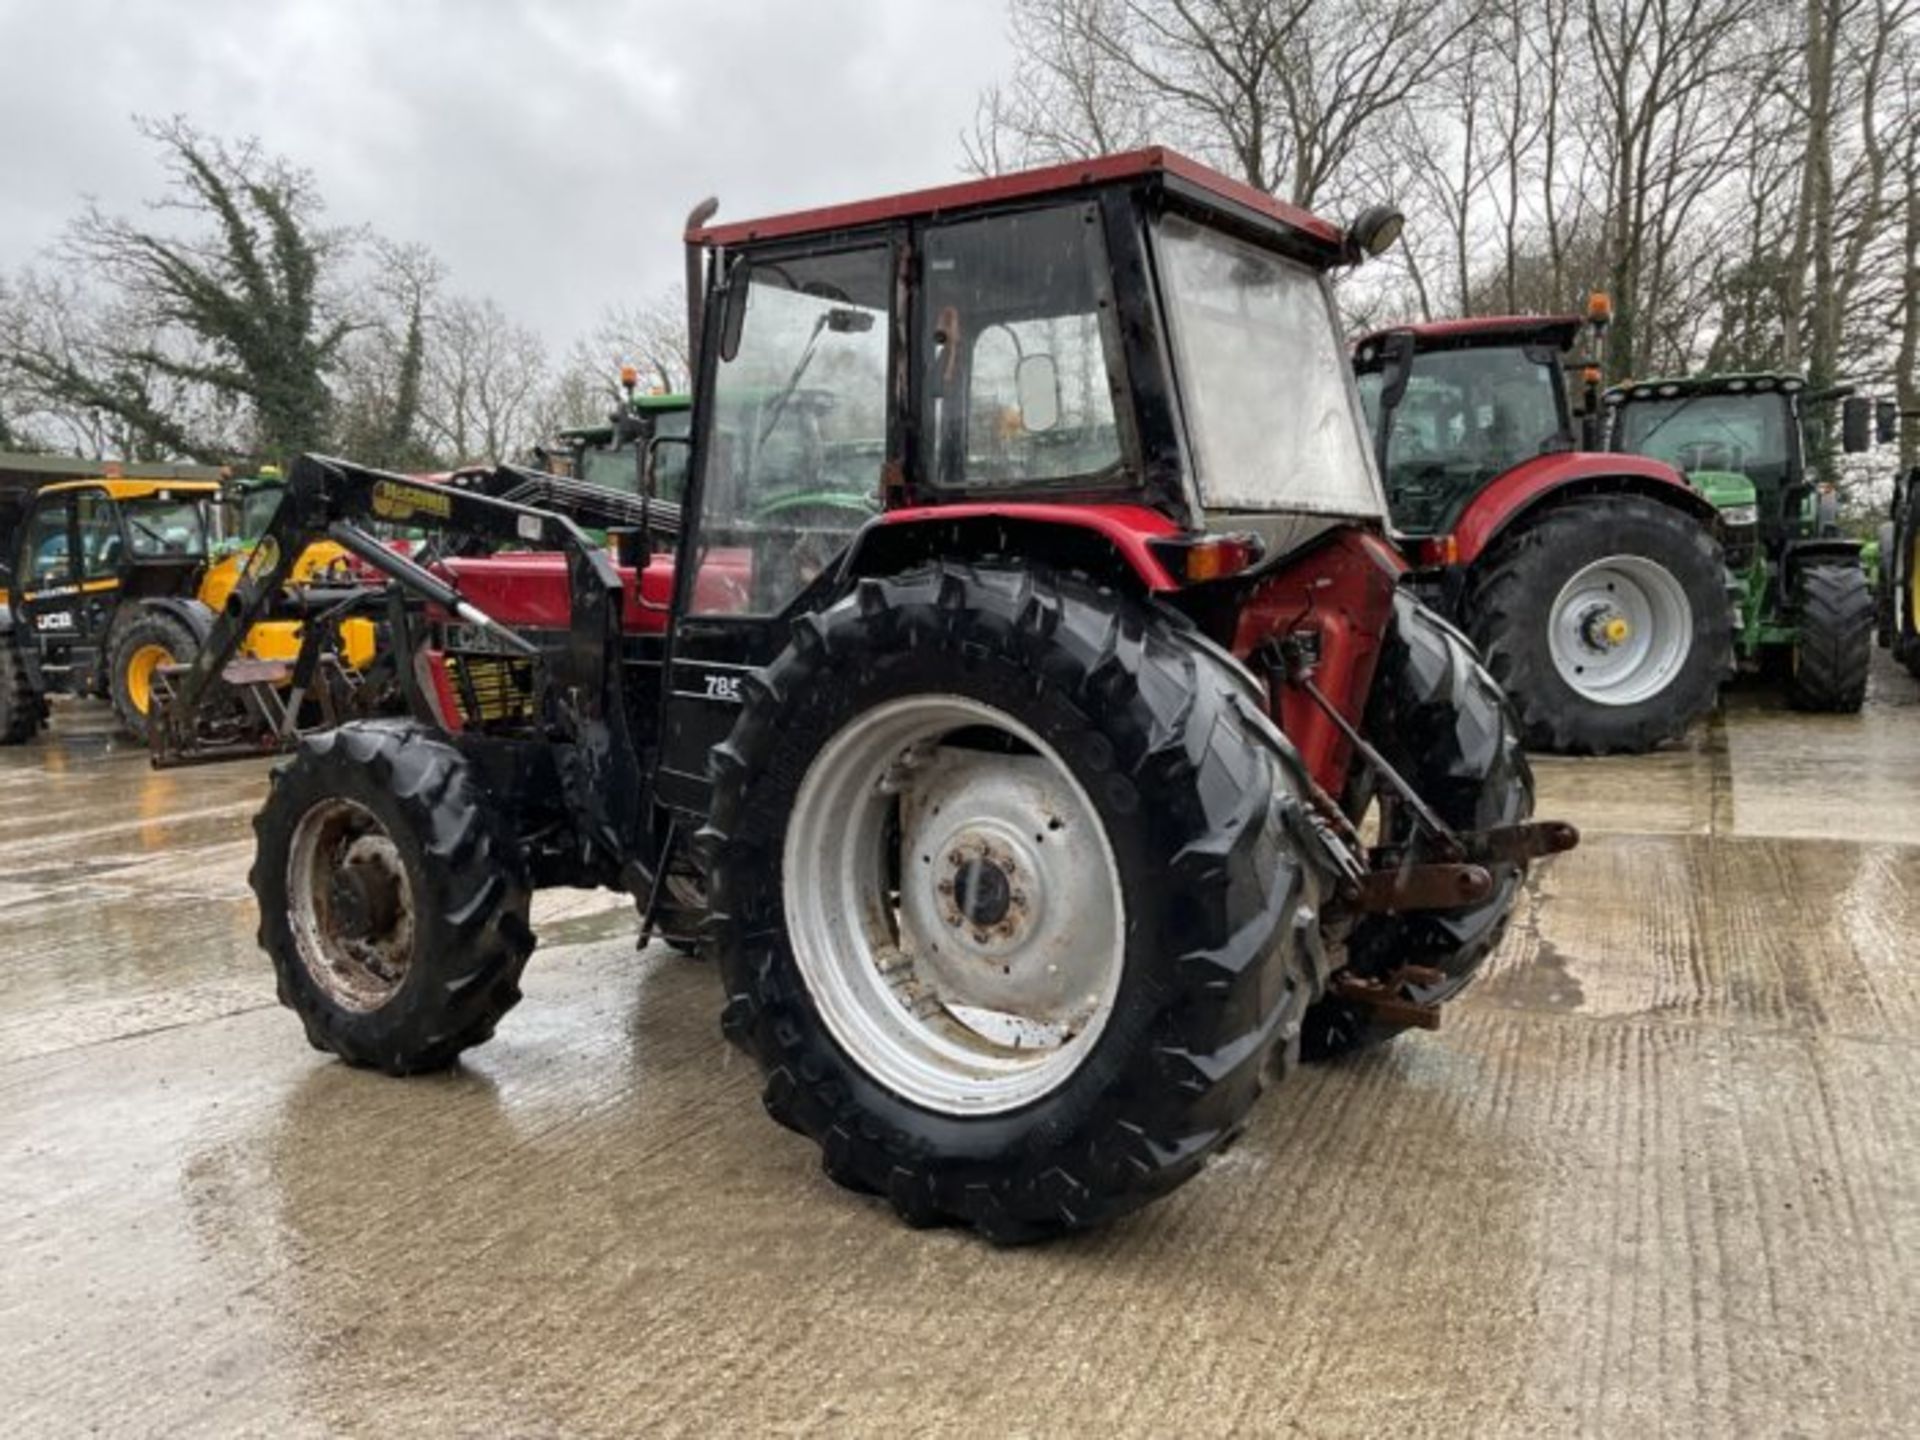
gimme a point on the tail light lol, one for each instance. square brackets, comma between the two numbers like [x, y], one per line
[1194, 558]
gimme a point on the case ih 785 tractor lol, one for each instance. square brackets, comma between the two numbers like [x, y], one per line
[1592, 583]
[1026, 796]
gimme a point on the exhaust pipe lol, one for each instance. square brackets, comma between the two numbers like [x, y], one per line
[696, 218]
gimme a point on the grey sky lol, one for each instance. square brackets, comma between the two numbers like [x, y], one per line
[547, 152]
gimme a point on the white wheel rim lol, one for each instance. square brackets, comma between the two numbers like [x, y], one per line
[981, 979]
[1620, 630]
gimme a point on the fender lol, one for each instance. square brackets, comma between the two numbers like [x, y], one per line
[189, 612]
[1109, 541]
[1815, 550]
[1547, 479]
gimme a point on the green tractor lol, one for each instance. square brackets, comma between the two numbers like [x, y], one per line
[1803, 598]
[614, 455]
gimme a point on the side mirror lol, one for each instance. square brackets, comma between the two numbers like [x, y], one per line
[1856, 424]
[1396, 368]
[1036, 383]
[664, 473]
[1886, 421]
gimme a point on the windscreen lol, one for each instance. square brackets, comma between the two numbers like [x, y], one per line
[162, 529]
[1745, 434]
[1273, 420]
[1464, 417]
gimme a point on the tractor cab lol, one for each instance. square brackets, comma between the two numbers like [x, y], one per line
[613, 456]
[1740, 439]
[1452, 405]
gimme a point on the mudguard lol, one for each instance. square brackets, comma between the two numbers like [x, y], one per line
[1818, 550]
[1108, 541]
[191, 613]
[1547, 479]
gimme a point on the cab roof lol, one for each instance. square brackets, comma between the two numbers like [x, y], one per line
[1556, 330]
[1732, 383]
[1154, 164]
[123, 489]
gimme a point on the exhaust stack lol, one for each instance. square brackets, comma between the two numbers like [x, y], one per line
[696, 218]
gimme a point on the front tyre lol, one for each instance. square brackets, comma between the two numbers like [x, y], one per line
[23, 710]
[1439, 720]
[393, 899]
[1013, 897]
[1834, 650]
[142, 650]
[1607, 623]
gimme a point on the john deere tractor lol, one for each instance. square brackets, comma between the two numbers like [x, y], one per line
[1804, 600]
[613, 455]
[115, 586]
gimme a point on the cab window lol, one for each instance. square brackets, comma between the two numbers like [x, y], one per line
[1022, 352]
[49, 551]
[797, 433]
[99, 535]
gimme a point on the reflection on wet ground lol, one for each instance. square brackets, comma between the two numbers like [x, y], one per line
[1658, 1171]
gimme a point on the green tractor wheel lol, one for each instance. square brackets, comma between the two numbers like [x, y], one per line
[1835, 607]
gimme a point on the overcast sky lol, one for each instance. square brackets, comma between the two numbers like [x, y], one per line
[548, 152]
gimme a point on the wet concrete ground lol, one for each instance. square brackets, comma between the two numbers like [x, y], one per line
[1660, 1173]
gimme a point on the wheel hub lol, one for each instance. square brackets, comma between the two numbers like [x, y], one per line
[1605, 628]
[350, 905]
[1621, 630]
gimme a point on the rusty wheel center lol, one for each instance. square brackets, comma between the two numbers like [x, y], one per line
[350, 905]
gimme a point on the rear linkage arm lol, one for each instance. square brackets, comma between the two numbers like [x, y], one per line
[1394, 878]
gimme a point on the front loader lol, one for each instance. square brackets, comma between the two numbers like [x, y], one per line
[1034, 811]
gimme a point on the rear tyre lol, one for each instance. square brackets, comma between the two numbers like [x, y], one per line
[1437, 718]
[140, 649]
[1013, 897]
[1835, 650]
[393, 899]
[22, 708]
[1607, 623]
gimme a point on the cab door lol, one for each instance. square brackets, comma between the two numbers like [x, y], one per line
[48, 603]
[787, 466]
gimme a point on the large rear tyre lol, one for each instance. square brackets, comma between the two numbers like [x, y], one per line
[1437, 718]
[1834, 606]
[1607, 623]
[1014, 897]
[22, 708]
[393, 899]
[141, 650]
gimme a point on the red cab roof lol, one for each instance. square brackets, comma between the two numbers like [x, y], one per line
[995, 189]
[1483, 330]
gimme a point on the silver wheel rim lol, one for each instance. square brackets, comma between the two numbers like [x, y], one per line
[1620, 630]
[350, 905]
[968, 959]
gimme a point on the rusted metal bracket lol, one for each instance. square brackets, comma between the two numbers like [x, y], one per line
[1422, 887]
[1501, 845]
[1382, 1001]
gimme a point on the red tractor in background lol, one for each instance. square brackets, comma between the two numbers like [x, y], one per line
[1041, 800]
[1592, 583]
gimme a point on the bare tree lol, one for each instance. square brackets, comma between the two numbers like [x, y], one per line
[233, 304]
[484, 379]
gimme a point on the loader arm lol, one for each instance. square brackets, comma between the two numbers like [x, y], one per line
[329, 499]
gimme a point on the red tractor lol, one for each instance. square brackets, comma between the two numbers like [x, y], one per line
[1031, 726]
[1592, 583]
